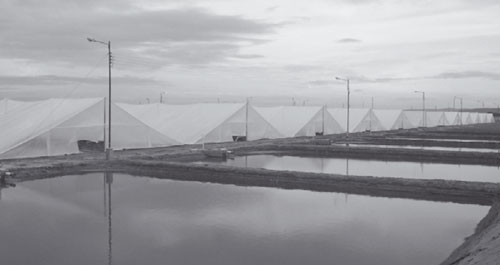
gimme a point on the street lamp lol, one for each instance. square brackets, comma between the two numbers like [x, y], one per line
[424, 122]
[348, 96]
[461, 107]
[108, 151]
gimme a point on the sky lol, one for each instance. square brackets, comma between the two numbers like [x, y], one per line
[272, 52]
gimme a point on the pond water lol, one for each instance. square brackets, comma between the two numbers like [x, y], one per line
[360, 167]
[439, 148]
[121, 219]
[444, 140]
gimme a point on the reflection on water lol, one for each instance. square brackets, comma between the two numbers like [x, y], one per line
[108, 179]
[438, 148]
[60, 221]
[370, 167]
[445, 140]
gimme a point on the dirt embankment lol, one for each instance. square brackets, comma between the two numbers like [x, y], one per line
[482, 248]
[435, 190]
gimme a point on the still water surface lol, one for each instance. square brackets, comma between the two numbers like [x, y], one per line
[438, 148]
[358, 167]
[67, 220]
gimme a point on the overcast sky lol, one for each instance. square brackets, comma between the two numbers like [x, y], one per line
[267, 50]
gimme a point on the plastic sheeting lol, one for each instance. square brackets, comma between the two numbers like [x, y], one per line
[293, 121]
[466, 118]
[392, 119]
[130, 132]
[360, 120]
[452, 117]
[490, 118]
[483, 117]
[54, 126]
[475, 117]
[436, 118]
[416, 118]
[198, 123]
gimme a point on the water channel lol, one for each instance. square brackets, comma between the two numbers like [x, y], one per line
[360, 167]
[438, 148]
[120, 219]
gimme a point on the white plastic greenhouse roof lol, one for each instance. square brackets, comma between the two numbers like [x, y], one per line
[452, 117]
[184, 123]
[289, 120]
[388, 117]
[436, 118]
[356, 116]
[26, 123]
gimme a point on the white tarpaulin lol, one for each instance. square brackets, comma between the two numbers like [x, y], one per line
[197, 123]
[436, 118]
[452, 117]
[476, 117]
[490, 118]
[487, 118]
[392, 119]
[416, 118]
[54, 126]
[466, 118]
[483, 117]
[360, 120]
[293, 121]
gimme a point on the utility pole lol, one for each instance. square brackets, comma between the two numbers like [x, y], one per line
[110, 62]
[461, 107]
[424, 116]
[246, 120]
[461, 111]
[323, 120]
[348, 104]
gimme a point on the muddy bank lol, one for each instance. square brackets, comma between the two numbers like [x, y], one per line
[483, 246]
[472, 132]
[435, 190]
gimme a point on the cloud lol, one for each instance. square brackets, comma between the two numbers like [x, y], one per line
[44, 86]
[468, 74]
[247, 56]
[66, 80]
[59, 36]
[321, 82]
[349, 40]
[446, 75]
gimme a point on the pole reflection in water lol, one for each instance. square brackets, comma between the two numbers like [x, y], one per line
[347, 167]
[347, 174]
[105, 196]
[108, 176]
[2, 184]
